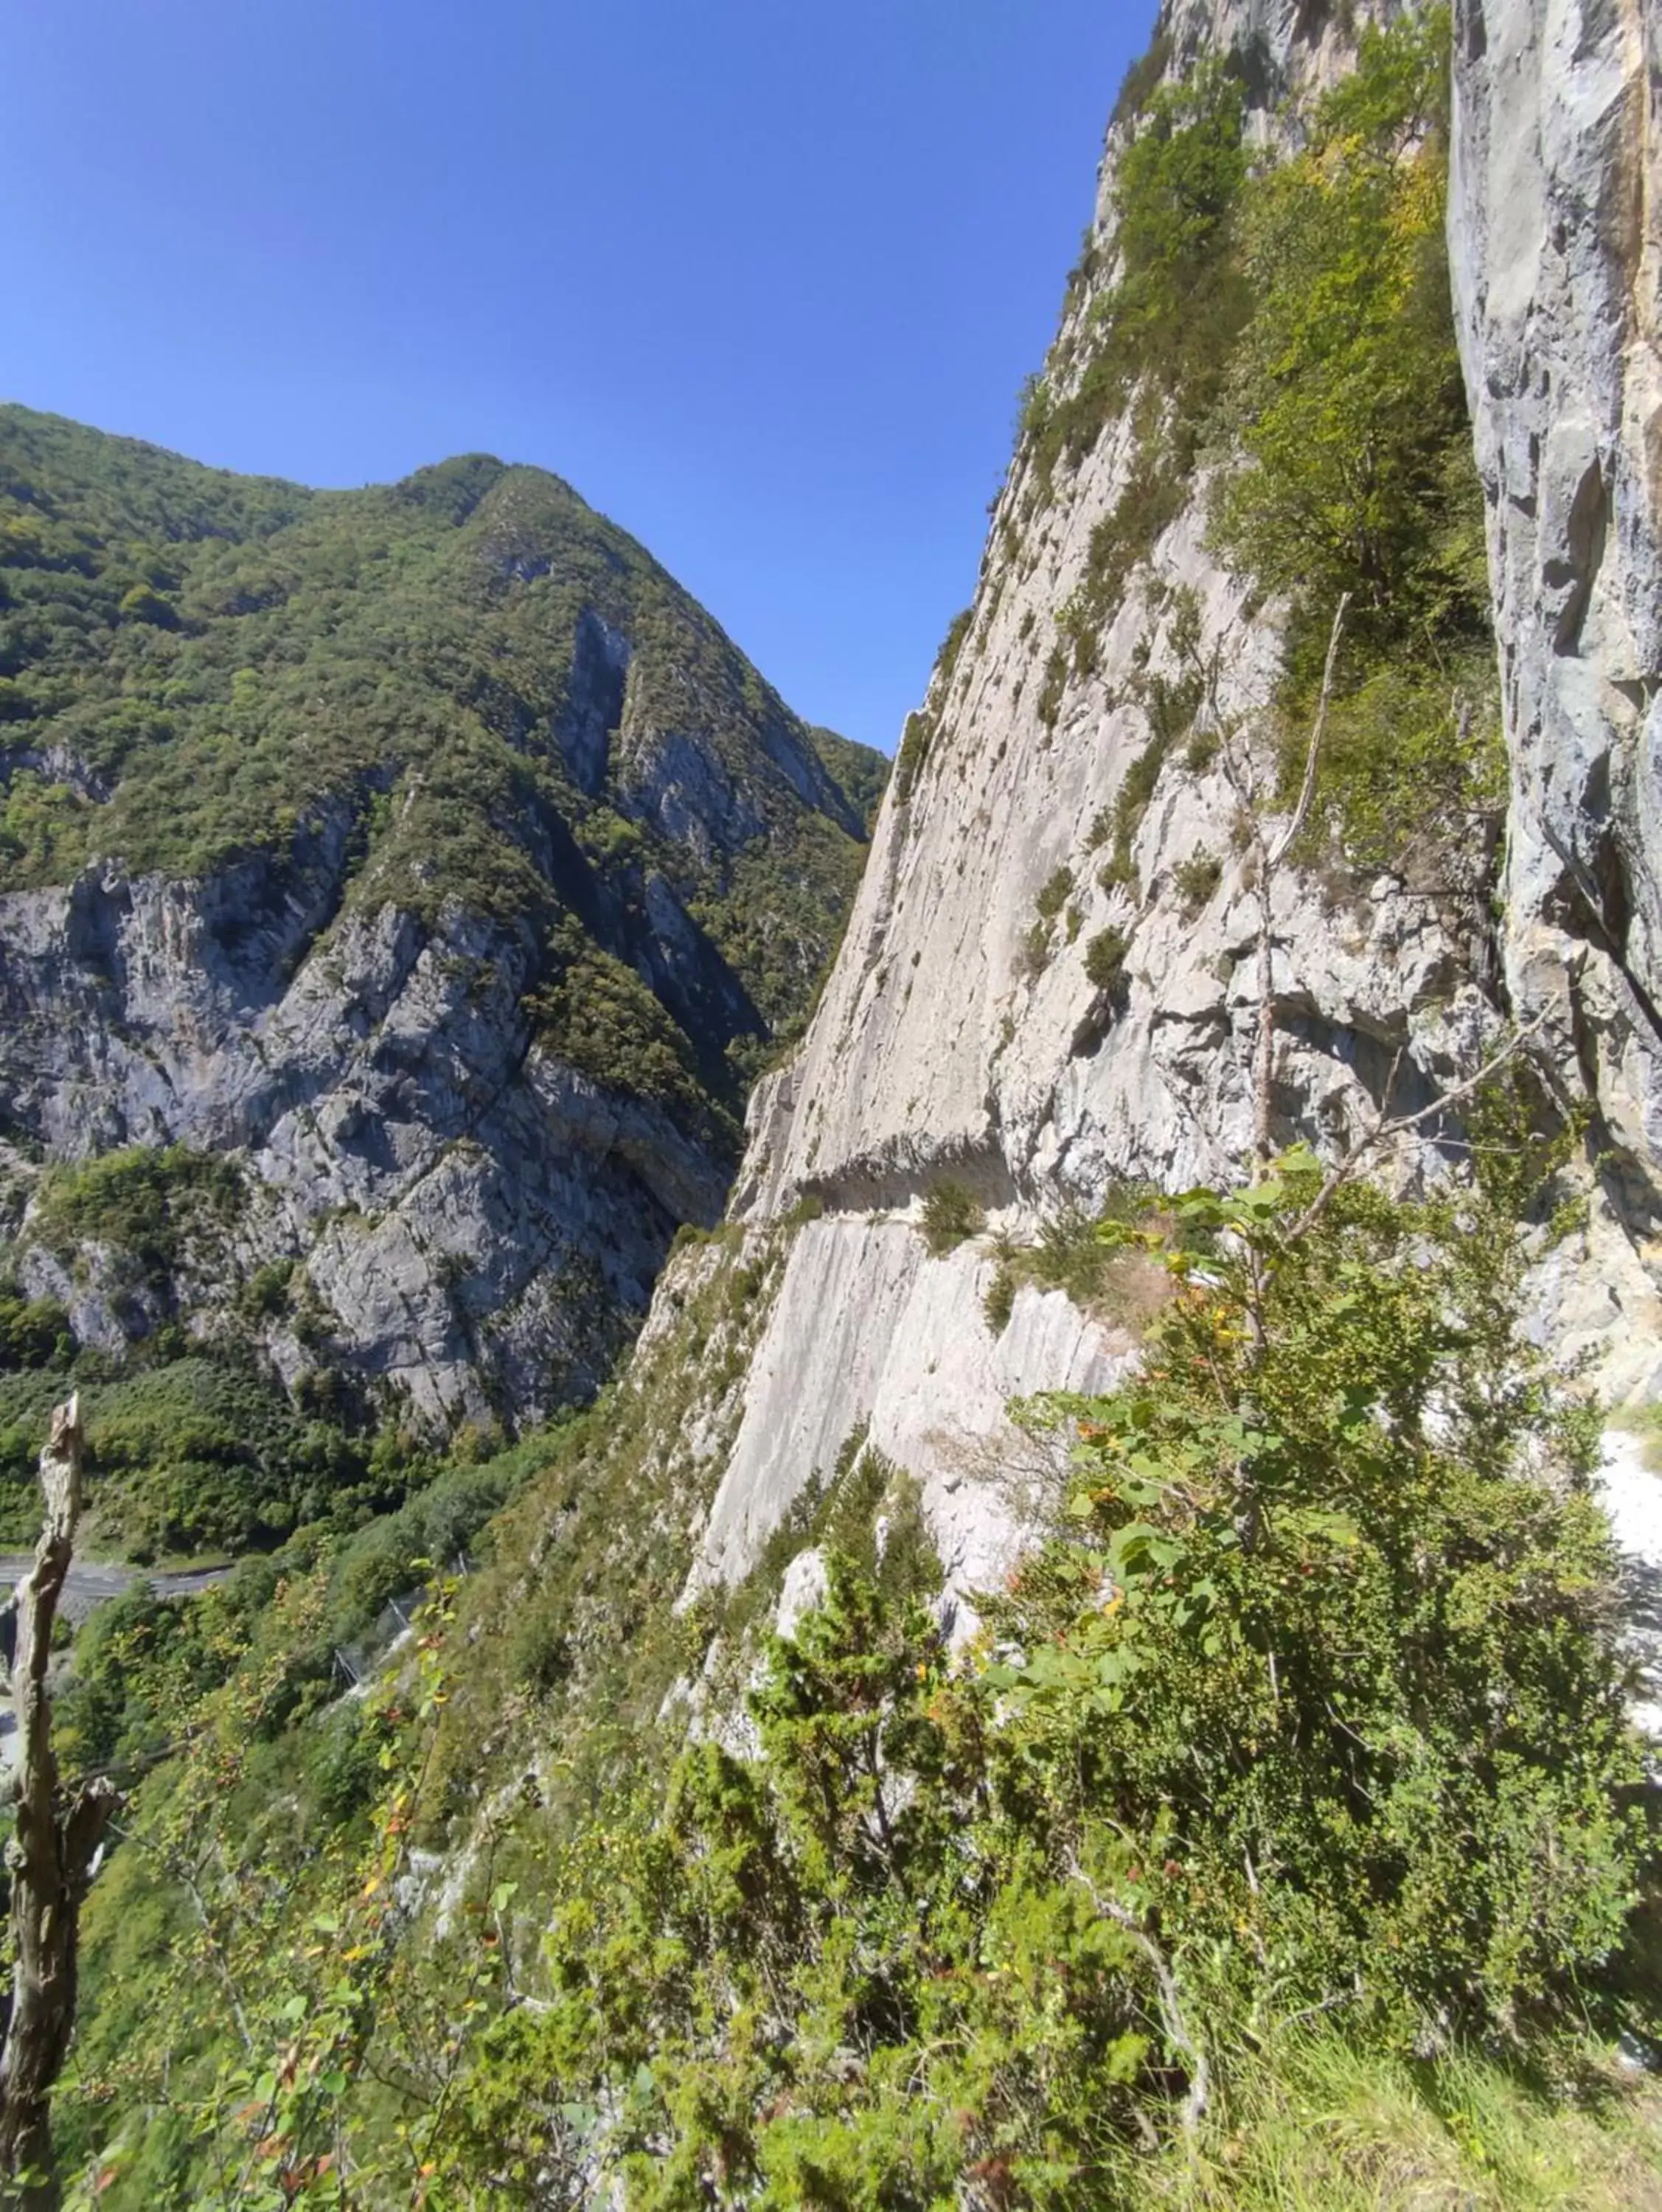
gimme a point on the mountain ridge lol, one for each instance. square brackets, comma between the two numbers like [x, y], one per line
[428, 849]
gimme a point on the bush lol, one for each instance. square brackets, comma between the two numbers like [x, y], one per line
[1054, 685]
[33, 1332]
[1196, 879]
[1104, 958]
[1177, 308]
[1102, 1262]
[1355, 1630]
[1351, 358]
[1033, 951]
[142, 1202]
[951, 1214]
[916, 739]
[1316, 1704]
[1054, 894]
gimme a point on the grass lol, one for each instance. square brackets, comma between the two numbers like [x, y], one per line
[1316, 2125]
[1107, 1279]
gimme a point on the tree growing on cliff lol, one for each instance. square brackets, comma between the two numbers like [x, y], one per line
[988, 1933]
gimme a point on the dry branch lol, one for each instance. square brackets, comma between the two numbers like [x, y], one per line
[50, 1858]
[1178, 2031]
[1269, 858]
[1388, 1128]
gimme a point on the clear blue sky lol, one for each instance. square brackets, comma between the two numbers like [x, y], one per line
[761, 277]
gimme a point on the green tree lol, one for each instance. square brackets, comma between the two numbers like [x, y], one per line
[1347, 402]
[1310, 1702]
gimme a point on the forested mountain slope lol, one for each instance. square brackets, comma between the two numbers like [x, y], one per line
[397, 889]
[1194, 1764]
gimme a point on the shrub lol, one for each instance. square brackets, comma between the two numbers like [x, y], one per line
[1102, 1262]
[1000, 1301]
[1033, 953]
[953, 645]
[1104, 958]
[144, 1202]
[1054, 894]
[1321, 1506]
[1174, 314]
[1351, 353]
[1140, 79]
[1317, 1697]
[1196, 879]
[916, 739]
[1054, 685]
[33, 1332]
[951, 1214]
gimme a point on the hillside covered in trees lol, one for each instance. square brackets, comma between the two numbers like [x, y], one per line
[397, 890]
[1083, 1661]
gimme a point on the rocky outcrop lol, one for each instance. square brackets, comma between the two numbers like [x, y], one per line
[458, 998]
[967, 1033]
[1555, 230]
[478, 1221]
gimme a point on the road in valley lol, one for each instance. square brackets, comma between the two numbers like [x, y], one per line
[94, 1581]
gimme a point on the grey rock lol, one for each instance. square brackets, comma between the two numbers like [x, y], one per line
[1556, 249]
[939, 1049]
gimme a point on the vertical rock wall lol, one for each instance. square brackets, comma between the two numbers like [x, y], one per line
[1555, 230]
[944, 1048]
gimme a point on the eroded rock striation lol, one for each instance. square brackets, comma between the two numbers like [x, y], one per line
[970, 1032]
[1555, 232]
[427, 853]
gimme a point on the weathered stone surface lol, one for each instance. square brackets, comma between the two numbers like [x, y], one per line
[1555, 231]
[867, 1331]
[478, 1221]
[942, 1049]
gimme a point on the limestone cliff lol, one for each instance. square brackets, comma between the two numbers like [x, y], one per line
[425, 851]
[968, 1034]
[1556, 239]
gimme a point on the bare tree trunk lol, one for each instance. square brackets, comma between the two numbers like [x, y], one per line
[1269, 854]
[50, 1859]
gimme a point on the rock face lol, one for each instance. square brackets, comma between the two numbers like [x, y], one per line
[441, 992]
[1555, 228]
[475, 1215]
[962, 1036]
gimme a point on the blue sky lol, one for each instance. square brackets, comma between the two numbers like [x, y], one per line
[761, 277]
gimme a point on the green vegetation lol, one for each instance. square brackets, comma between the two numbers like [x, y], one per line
[139, 1203]
[1104, 958]
[598, 1017]
[1297, 1748]
[916, 739]
[33, 1332]
[1195, 880]
[1280, 1841]
[1301, 1719]
[1054, 893]
[1163, 331]
[193, 1451]
[1298, 315]
[1348, 403]
[951, 1214]
[193, 1446]
[238, 668]
[1053, 904]
[861, 774]
[264, 1795]
[1108, 1264]
[1054, 684]
[951, 645]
